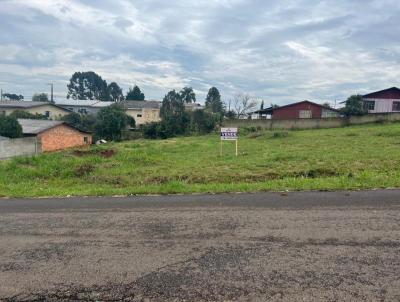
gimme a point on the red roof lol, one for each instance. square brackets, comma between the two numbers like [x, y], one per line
[307, 102]
[391, 93]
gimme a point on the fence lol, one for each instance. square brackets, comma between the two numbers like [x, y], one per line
[19, 146]
[314, 123]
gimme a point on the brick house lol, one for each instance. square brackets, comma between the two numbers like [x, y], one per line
[387, 100]
[54, 135]
[300, 110]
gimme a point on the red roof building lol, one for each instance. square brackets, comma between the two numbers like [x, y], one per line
[383, 101]
[300, 110]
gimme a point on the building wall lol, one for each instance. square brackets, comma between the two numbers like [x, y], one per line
[79, 109]
[19, 146]
[292, 112]
[145, 115]
[63, 137]
[54, 112]
[314, 123]
[382, 105]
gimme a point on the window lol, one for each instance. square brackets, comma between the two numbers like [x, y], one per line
[305, 114]
[328, 113]
[396, 106]
[82, 111]
[85, 139]
[139, 115]
[369, 105]
[47, 114]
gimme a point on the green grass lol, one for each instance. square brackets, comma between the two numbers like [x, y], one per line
[359, 157]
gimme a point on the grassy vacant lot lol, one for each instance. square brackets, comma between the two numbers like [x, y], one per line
[358, 157]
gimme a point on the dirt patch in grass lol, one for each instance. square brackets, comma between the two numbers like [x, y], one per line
[84, 169]
[103, 153]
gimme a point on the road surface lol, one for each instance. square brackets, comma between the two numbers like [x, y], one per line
[311, 246]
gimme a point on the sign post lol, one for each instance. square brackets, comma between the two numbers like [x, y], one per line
[229, 134]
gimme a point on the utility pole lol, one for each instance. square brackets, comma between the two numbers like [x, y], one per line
[51, 92]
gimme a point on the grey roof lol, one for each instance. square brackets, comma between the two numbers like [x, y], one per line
[141, 104]
[25, 104]
[83, 103]
[37, 126]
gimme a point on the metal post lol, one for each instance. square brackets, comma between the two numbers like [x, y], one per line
[51, 92]
[236, 147]
[221, 147]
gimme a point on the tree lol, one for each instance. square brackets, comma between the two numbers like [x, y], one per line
[354, 106]
[202, 122]
[231, 114]
[187, 95]
[27, 115]
[9, 127]
[40, 97]
[174, 119]
[213, 101]
[135, 94]
[87, 86]
[243, 104]
[111, 121]
[115, 92]
[172, 104]
[327, 105]
[13, 97]
[82, 122]
[262, 105]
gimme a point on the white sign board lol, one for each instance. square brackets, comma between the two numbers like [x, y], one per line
[230, 134]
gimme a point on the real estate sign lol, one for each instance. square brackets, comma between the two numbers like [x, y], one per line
[229, 134]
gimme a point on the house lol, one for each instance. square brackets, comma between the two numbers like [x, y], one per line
[300, 110]
[383, 101]
[83, 106]
[51, 111]
[193, 107]
[143, 111]
[54, 135]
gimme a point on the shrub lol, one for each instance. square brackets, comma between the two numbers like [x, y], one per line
[27, 115]
[10, 127]
[280, 134]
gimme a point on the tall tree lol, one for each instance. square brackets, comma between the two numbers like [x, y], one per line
[354, 106]
[135, 94]
[13, 97]
[262, 105]
[188, 95]
[243, 104]
[213, 101]
[115, 92]
[172, 104]
[40, 97]
[87, 86]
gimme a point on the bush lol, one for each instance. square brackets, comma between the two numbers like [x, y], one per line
[111, 121]
[280, 134]
[9, 127]
[202, 122]
[27, 115]
[81, 122]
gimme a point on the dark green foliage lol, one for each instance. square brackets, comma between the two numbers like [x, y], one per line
[151, 130]
[354, 106]
[131, 121]
[40, 97]
[280, 134]
[172, 105]
[115, 92]
[111, 121]
[135, 94]
[262, 105]
[87, 86]
[27, 115]
[187, 95]
[213, 101]
[9, 127]
[13, 97]
[202, 122]
[231, 114]
[82, 122]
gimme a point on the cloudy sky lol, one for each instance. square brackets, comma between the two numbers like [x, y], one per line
[278, 50]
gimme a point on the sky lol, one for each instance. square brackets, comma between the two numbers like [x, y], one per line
[281, 51]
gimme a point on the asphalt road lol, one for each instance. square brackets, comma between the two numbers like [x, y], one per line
[309, 246]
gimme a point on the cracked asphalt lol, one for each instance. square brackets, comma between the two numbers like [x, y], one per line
[309, 246]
